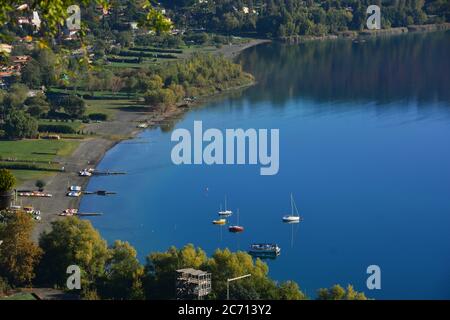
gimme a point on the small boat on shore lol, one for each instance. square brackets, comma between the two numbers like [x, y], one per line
[85, 173]
[294, 216]
[220, 222]
[264, 250]
[74, 194]
[68, 213]
[35, 194]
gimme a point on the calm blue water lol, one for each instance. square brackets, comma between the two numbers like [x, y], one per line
[364, 147]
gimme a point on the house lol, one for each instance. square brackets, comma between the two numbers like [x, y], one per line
[21, 59]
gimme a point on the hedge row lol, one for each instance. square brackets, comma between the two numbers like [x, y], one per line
[56, 128]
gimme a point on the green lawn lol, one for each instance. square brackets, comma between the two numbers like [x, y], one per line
[20, 296]
[108, 107]
[40, 151]
[75, 125]
[37, 150]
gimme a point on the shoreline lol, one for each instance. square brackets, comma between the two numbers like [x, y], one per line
[91, 151]
[365, 34]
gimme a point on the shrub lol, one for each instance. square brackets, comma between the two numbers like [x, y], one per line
[40, 184]
[56, 128]
[98, 116]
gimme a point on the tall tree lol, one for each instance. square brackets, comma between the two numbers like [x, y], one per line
[72, 242]
[123, 274]
[18, 254]
[19, 125]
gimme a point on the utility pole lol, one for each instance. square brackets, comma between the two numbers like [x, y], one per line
[234, 279]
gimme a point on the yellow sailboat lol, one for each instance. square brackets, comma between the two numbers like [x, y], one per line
[220, 221]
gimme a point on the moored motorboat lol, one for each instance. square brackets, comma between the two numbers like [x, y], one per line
[269, 250]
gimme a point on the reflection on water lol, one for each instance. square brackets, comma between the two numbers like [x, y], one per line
[413, 67]
[363, 142]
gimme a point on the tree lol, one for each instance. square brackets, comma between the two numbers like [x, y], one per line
[74, 106]
[31, 74]
[37, 106]
[160, 272]
[17, 96]
[225, 264]
[336, 292]
[47, 61]
[123, 274]
[7, 180]
[72, 242]
[161, 267]
[290, 290]
[125, 38]
[40, 185]
[18, 254]
[19, 125]
[160, 97]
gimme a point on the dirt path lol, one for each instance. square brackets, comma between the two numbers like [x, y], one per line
[233, 50]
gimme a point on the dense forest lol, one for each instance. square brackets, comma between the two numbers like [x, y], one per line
[280, 18]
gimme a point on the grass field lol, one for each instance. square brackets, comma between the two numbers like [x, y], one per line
[42, 152]
[37, 150]
[20, 296]
[75, 125]
[108, 107]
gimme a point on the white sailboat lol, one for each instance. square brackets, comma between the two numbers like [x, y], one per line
[294, 216]
[225, 212]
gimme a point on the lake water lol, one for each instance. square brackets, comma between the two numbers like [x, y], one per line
[364, 148]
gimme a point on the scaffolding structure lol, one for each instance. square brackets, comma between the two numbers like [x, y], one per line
[192, 284]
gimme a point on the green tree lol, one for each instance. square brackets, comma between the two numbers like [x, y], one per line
[336, 292]
[123, 274]
[7, 180]
[125, 38]
[31, 74]
[72, 242]
[74, 106]
[40, 185]
[224, 265]
[18, 254]
[17, 95]
[47, 62]
[290, 290]
[19, 125]
[161, 267]
[37, 106]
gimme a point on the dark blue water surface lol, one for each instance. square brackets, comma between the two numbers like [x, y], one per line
[364, 148]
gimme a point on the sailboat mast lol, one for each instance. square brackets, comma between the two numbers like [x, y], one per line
[292, 205]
